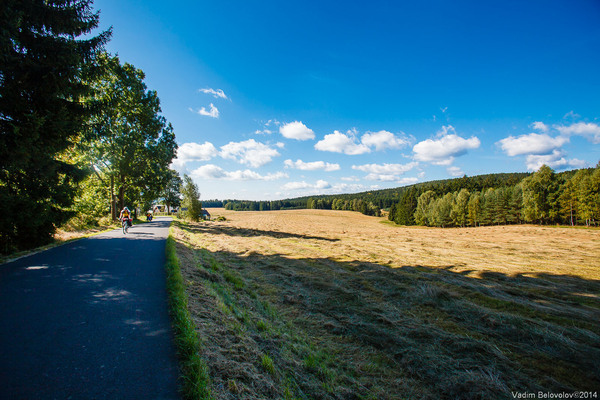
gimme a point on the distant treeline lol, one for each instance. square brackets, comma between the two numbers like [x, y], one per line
[571, 197]
[248, 205]
[371, 202]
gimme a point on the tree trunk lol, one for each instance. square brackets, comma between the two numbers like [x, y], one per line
[113, 200]
[121, 197]
[571, 206]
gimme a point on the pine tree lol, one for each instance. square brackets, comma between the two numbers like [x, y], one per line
[392, 213]
[42, 111]
[515, 205]
[405, 211]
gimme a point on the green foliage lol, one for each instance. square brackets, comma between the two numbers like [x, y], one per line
[171, 193]
[92, 201]
[474, 209]
[191, 207]
[543, 197]
[460, 208]
[538, 195]
[129, 143]
[423, 211]
[403, 212]
[44, 103]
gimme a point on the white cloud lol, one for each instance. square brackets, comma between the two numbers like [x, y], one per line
[311, 166]
[296, 130]
[384, 140]
[263, 132]
[408, 181]
[445, 131]
[589, 130]
[323, 186]
[455, 171]
[348, 188]
[443, 150]
[296, 185]
[266, 130]
[572, 115]
[555, 160]
[533, 143]
[211, 171]
[540, 126]
[249, 152]
[213, 112]
[216, 93]
[338, 142]
[319, 185]
[196, 152]
[386, 172]
[178, 166]
[396, 169]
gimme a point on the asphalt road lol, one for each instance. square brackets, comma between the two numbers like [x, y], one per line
[89, 320]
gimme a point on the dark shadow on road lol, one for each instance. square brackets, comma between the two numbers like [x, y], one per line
[88, 319]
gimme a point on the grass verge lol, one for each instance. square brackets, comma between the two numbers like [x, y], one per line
[194, 372]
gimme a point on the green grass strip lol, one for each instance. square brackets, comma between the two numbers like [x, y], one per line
[194, 371]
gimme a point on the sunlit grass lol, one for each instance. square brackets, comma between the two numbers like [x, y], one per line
[340, 312]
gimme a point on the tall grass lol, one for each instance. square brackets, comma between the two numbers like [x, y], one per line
[194, 371]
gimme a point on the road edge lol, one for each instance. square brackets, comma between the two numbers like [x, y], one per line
[194, 376]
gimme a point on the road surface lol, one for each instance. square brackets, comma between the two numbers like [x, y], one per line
[89, 320]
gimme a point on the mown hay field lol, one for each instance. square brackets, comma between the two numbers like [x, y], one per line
[319, 304]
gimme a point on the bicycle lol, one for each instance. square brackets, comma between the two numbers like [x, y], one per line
[125, 224]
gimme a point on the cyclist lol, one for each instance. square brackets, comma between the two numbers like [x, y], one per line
[126, 216]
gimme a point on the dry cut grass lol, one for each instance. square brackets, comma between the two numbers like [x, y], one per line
[314, 304]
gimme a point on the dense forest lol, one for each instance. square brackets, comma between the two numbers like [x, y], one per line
[545, 197]
[571, 197]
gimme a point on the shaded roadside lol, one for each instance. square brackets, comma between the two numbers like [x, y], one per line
[89, 319]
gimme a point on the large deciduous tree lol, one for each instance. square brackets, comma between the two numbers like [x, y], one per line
[130, 145]
[42, 109]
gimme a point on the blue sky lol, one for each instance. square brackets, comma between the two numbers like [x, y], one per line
[272, 99]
